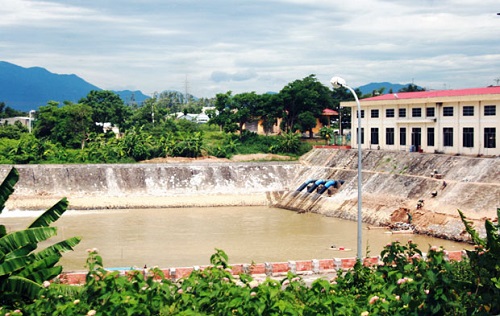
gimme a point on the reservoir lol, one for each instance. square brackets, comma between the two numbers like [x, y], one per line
[183, 237]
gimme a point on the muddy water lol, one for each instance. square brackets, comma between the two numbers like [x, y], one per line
[188, 236]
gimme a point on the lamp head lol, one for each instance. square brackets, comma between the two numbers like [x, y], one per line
[338, 82]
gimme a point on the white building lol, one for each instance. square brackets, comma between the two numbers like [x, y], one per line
[462, 121]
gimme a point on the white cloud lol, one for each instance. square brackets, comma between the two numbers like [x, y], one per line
[258, 45]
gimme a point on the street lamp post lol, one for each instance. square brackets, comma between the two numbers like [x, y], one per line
[338, 82]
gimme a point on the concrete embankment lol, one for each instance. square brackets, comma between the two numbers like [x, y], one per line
[393, 182]
[101, 186]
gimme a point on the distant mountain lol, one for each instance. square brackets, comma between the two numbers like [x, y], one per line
[26, 89]
[369, 88]
[132, 97]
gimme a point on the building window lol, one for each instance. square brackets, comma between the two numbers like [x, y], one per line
[402, 112]
[416, 112]
[430, 112]
[374, 113]
[468, 111]
[389, 113]
[430, 136]
[490, 110]
[362, 114]
[490, 137]
[389, 136]
[402, 136]
[362, 135]
[448, 111]
[374, 136]
[468, 137]
[448, 136]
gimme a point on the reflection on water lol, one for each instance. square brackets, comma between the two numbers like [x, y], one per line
[188, 236]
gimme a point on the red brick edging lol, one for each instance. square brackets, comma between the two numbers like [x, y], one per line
[316, 266]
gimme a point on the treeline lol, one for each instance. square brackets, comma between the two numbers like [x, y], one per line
[102, 128]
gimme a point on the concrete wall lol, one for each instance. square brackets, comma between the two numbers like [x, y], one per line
[149, 185]
[395, 180]
[391, 181]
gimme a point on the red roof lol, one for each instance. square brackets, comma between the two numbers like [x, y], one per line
[329, 112]
[436, 94]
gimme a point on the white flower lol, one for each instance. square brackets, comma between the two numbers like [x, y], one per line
[374, 299]
[46, 284]
[91, 312]
[253, 284]
[365, 313]
[76, 302]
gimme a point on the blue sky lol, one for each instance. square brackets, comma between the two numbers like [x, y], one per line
[255, 45]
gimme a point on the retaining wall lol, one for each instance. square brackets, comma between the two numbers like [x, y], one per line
[312, 268]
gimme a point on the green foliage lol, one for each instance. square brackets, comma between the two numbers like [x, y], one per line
[405, 282]
[326, 133]
[485, 265]
[106, 107]
[306, 122]
[306, 95]
[23, 271]
[12, 131]
[287, 143]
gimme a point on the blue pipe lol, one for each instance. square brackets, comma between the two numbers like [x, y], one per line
[331, 183]
[305, 184]
[315, 185]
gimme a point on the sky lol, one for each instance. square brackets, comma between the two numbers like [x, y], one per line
[207, 47]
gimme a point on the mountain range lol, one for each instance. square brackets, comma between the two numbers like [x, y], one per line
[26, 89]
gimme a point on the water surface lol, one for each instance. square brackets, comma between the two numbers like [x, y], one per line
[177, 237]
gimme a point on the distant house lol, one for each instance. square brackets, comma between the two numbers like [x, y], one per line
[258, 127]
[12, 120]
[464, 121]
[197, 118]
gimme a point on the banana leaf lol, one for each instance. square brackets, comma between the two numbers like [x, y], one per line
[36, 265]
[58, 248]
[14, 264]
[22, 238]
[3, 230]
[67, 290]
[20, 286]
[51, 215]
[7, 187]
[24, 251]
[42, 270]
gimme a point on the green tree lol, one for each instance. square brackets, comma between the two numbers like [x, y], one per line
[225, 116]
[306, 95]
[268, 110]
[107, 107]
[306, 122]
[74, 124]
[245, 108]
[12, 131]
[7, 111]
[47, 119]
[411, 88]
[68, 125]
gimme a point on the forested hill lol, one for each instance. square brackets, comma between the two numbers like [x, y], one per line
[26, 89]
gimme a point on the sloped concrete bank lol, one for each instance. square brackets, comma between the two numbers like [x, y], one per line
[195, 184]
[393, 182]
